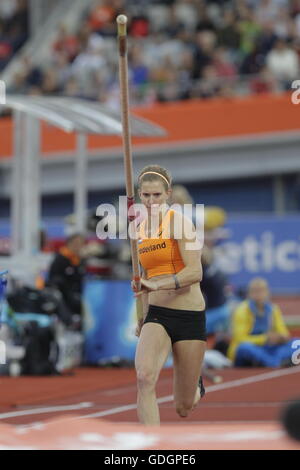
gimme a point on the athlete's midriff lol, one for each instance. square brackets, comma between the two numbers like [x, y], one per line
[184, 298]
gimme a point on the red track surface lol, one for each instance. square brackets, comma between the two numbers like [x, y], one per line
[241, 412]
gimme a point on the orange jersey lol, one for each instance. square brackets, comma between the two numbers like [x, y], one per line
[159, 255]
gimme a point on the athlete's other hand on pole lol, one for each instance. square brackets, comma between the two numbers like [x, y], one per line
[146, 286]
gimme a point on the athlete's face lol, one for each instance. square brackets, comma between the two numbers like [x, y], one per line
[153, 195]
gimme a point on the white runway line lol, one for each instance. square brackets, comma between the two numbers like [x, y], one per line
[166, 399]
[45, 410]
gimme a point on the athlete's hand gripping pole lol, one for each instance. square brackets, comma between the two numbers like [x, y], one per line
[123, 77]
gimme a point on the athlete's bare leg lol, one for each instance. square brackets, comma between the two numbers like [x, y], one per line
[188, 356]
[152, 352]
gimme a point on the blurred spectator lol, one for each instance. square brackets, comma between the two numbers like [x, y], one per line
[267, 39]
[33, 75]
[102, 16]
[63, 69]
[66, 274]
[175, 24]
[50, 84]
[259, 334]
[266, 10]
[14, 28]
[180, 195]
[20, 18]
[72, 88]
[204, 23]
[205, 44]
[222, 63]
[284, 26]
[214, 286]
[90, 60]
[66, 44]
[186, 11]
[283, 62]
[209, 85]
[264, 82]
[138, 69]
[139, 26]
[228, 34]
[7, 9]
[6, 48]
[249, 30]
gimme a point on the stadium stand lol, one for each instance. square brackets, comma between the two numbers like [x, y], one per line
[179, 50]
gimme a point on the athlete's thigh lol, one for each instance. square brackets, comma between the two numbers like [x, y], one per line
[153, 348]
[187, 362]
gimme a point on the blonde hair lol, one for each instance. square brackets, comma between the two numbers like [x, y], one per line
[258, 281]
[155, 173]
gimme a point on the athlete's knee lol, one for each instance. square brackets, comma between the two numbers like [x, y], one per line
[146, 379]
[184, 407]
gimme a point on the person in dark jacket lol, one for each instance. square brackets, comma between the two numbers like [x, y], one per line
[66, 274]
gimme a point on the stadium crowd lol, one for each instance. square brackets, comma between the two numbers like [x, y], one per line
[178, 49]
[14, 28]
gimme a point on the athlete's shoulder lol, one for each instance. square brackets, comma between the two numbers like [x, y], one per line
[181, 217]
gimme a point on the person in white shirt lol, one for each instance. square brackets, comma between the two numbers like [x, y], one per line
[283, 62]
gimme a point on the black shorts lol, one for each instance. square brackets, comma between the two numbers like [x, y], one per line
[179, 324]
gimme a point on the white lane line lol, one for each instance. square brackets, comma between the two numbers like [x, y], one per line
[226, 404]
[211, 388]
[166, 399]
[49, 409]
[254, 379]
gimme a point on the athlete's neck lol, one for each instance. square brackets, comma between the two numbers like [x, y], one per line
[154, 220]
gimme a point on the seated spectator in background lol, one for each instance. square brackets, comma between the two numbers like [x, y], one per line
[66, 273]
[249, 31]
[214, 286]
[139, 26]
[14, 28]
[175, 25]
[6, 48]
[204, 23]
[223, 66]
[203, 50]
[264, 82]
[66, 43]
[283, 63]
[139, 71]
[102, 17]
[228, 33]
[266, 10]
[259, 335]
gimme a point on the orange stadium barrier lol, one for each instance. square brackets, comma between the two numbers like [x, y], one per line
[184, 121]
